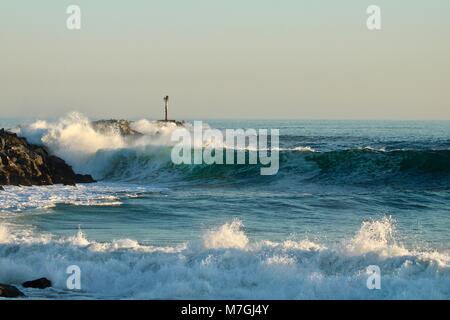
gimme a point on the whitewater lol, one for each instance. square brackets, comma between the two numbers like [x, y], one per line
[225, 264]
[348, 195]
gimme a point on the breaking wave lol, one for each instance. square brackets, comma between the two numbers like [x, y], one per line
[146, 158]
[226, 264]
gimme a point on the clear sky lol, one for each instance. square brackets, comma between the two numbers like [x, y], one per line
[259, 59]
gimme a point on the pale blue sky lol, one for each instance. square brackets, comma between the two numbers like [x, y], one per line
[226, 59]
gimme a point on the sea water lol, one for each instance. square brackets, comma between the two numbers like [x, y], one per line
[348, 195]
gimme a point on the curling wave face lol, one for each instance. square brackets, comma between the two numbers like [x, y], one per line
[226, 264]
[147, 158]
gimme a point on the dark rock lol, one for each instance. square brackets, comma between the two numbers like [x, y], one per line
[83, 178]
[7, 291]
[41, 283]
[25, 164]
[2, 189]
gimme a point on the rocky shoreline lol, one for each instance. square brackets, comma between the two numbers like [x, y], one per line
[24, 164]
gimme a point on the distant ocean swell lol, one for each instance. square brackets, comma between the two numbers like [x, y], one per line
[225, 263]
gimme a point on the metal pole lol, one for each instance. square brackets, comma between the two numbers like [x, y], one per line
[166, 106]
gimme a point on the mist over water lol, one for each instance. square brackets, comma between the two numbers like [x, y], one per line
[347, 195]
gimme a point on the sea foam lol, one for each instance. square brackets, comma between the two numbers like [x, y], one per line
[226, 264]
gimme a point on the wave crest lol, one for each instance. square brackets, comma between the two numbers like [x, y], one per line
[229, 235]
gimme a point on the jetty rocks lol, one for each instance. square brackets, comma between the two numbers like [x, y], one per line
[122, 127]
[26, 164]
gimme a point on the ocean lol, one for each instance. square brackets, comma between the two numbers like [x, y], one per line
[348, 195]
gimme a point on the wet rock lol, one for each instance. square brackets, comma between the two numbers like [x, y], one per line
[7, 291]
[25, 164]
[83, 178]
[40, 283]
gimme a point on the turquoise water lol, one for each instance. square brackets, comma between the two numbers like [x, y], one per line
[348, 194]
